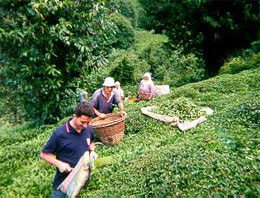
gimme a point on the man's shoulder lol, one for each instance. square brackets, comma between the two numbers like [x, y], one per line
[60, 130]
[96, 94]
[98, 91]
[89, 128]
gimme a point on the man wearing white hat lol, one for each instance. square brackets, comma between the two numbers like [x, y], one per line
[104, 98]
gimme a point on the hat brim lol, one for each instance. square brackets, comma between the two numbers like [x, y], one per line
[108, 85]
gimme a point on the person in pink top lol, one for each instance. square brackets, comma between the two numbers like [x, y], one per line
[146, 89]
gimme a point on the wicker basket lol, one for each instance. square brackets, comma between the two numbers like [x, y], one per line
[111, 129]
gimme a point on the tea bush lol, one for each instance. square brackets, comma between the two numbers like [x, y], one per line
[218, 158]
[238, 64]
[247, 113]
[128, 66]
[131, 90]
[169, 163]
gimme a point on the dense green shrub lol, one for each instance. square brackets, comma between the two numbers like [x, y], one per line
[247, 113]
[46, 49]
[129, 8]
[240, 63]
[123, 32]
[168, 66]
[131, 90]
[128, 68]
[11, 108]
[154, 51]
[146, 38]
[95, 79]
[255, 46]
[132, 10]
[183, 69]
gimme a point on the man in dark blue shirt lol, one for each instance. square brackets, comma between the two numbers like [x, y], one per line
[68, 143]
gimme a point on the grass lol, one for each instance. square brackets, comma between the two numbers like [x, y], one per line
[154, 159]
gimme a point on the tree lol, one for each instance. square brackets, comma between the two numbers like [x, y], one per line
[47, 47]
[213, 28]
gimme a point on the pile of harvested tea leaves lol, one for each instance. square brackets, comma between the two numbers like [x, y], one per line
[181, 107]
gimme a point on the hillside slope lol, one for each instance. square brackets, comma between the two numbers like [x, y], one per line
[155, 159]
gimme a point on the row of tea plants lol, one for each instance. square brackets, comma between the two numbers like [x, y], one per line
[220, 157]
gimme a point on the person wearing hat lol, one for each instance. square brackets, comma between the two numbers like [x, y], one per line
[119, 89]
[146, 88]
[104, 99]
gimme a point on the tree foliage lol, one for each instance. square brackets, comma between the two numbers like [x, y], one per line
[128, 8]
[123, 30]
[213, 28]
[128, 68]
[47, 47]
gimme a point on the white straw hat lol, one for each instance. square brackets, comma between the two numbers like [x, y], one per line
[109, 82]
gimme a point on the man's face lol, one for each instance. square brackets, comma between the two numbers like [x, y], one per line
[108, 90]
[81, 122]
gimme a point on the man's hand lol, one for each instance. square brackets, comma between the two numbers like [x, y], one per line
[63, 167]
[92, 146]
[123, 113]
[93, 155]
[102, 116]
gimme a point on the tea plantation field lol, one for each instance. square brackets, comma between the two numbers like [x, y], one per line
[154, 159]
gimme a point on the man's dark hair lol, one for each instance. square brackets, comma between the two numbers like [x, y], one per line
[85, 109]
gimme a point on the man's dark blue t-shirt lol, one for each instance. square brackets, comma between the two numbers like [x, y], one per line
[68, 146]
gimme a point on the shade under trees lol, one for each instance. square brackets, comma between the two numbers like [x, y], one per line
[212, 28]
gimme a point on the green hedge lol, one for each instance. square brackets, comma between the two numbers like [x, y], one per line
[155, 159]
[240, 63]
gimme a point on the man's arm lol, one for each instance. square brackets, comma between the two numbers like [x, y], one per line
[51, 158]
[94, 101]
[99, 114]
[121, 108]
